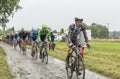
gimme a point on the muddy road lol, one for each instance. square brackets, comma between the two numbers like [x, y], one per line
[24, 67]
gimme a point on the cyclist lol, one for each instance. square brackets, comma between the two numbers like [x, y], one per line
[7, 38]
[23, 37]
[15, 36]
[76, 36]
[33, 36]
[43, 36]
[11, 39]
[52, 44]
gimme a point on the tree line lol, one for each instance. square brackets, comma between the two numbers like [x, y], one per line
[98, 31]
[7, 9]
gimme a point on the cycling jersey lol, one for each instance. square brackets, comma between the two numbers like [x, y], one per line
[15, 36]
[34, 36]
[44, 34]
[77, 35]
[23, 35]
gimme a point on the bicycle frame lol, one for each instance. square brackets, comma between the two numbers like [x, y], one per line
[34, 51]
[76, 63]
[44, 52]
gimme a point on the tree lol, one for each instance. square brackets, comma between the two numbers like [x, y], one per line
[7, 8]
[98, 31]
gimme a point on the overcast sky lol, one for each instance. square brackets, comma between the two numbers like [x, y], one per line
[59, 14]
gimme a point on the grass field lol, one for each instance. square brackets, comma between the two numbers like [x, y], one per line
[103, 57]
[4, 70]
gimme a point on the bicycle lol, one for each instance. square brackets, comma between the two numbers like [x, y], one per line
[76, 63]
[44, 53]
[34, 53]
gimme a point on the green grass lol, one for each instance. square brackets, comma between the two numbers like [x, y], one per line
[103, 57]
[4, 70]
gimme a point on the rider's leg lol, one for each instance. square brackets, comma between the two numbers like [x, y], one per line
[40, 50]
[32, 45]
[68, 55]
[47, 45]
[32, 48]
[22, 43]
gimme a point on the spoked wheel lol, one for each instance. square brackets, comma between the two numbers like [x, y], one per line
[80, 68]
[15, 45]
[45, 56]
[24, 50]
[69, 68]
[35, 54]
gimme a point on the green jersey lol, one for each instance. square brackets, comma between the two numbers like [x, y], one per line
[44, 34]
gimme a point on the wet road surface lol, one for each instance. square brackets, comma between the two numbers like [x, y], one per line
[24, 67]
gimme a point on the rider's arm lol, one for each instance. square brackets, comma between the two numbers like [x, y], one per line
[85, 34]
[49, 37]
[39, 32]
[31, 34]
[69, 34]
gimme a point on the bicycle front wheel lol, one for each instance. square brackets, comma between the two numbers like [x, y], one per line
[69, 68]
[45, 56]
[80, 68]
[35, 54]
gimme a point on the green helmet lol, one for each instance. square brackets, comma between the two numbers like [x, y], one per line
[44, 26]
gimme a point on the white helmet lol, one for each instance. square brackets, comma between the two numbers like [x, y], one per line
[35, 29]
[16, 32]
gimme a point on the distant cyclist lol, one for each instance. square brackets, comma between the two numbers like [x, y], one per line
[23, 37]
[11, 39]
[34, 36]
[76, 36]
[15, 37]
[52, 44]
[43, 36]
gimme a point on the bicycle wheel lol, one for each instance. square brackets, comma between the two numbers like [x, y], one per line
[24, 50]
[14, 45]
[69, 68]
[80, 68]
[35, 55]
[42, 55]
[45, 56]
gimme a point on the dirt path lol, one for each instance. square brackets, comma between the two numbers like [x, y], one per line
[23, 67]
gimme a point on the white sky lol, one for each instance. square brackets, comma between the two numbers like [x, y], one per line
[59, 14]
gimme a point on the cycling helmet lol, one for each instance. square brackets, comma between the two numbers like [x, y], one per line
[44, 26]
[35, 29]
[78, 19]
[16, 32]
